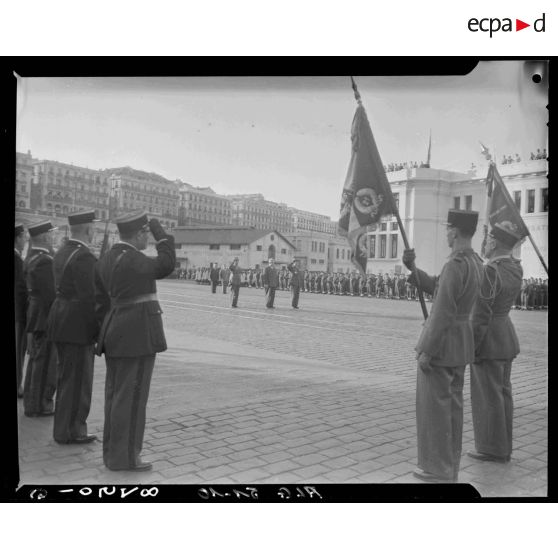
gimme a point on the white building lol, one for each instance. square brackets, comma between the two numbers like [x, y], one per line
[199, 246]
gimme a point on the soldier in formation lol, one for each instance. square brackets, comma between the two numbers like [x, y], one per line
[445, 347]
[20, 303]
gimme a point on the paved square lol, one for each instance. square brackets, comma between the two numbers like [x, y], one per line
[322, 394]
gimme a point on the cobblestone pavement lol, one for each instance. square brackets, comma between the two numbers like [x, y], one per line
[322, 394]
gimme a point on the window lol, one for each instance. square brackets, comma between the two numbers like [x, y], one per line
[337, 257]
[313, 261]
[517, 199]
[214, 246]
[457, 202]
[178, 246]
[382, 246]
[283, 250]
[383, 226]
[544, 199]
[530, 201]
[259, 248]
[237, 247]
[272, 237]
[372, 246]
[343, 254]
[394, 246]
[321, 261]
[396, 199]
[395, 226]
[468, 203]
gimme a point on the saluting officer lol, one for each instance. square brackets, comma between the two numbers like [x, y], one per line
[235, 280]
[40, 377]
[496, 345]
[73, 328]
[20, 303]
[445, 347]
[131, 333]
[295, 282]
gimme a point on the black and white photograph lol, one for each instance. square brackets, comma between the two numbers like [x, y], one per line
[291, 280]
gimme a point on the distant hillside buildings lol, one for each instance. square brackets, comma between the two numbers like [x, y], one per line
[46, 188]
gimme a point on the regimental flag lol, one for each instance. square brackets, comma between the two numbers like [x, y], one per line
[429, 150]
[500, 206]
[366, 194]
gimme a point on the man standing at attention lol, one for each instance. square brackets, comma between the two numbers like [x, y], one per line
[236, 278]
[496, 345]
[270, 282]
[20, 303]
[73, 329]
[40, 377]
[445, 347]
[131, 333]
[296, 282]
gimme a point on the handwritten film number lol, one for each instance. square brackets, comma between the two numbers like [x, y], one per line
[252, 493]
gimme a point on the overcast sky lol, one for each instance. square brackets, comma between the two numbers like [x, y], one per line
[286, 137]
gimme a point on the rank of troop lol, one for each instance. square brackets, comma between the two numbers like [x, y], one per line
[73, 306]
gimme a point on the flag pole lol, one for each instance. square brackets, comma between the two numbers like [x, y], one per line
[395, 210]
[541, 259]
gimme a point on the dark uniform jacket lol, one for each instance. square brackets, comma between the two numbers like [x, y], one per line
[20, 290]
[72, 317]
[214, 274]
[296, 276]
[40, 287]
[270, 277]
[495, 336]
[122, 275]
[236, 277]
[447, 334]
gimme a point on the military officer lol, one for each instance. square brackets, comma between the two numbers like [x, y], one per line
[236, 278]
[40, 376]
[20, 303]
[270, 282]
[444, 348]
[131, 333]
[496, 345]
[295, 282]
[73, 328]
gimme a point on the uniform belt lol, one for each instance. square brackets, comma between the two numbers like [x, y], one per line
[117, 302]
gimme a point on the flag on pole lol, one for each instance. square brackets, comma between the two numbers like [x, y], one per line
[500, 206]
[366, 194]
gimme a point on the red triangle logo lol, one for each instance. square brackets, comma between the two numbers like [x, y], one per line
[519, 25]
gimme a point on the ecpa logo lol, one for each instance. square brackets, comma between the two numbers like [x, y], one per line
[494, 24]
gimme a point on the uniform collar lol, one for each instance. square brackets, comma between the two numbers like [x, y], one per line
[461, 251]
[78, 242]
[40, 249]
[502, 257]
[126, 244]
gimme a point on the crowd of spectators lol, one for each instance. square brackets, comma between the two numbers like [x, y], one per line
[533, 295]
[540, 154]
[392, 167]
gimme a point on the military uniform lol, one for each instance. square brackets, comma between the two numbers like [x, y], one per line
[73, 328]
[496, 345]
[236, 277]
[271, 282]
[295, 283]
[20, 304]
[447, 336]
[40, 377]
[131, 335]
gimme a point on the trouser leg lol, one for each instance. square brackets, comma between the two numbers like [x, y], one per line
[270, 297]
[126, 394]
[296, 293]
[439, 412]
[74, 390]
[492, 407]
[235, 289]
[21, 343]
[40, 381]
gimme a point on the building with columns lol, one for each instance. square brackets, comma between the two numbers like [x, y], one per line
[424, 196]
[253, 210]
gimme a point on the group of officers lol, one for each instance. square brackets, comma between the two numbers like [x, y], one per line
[70, 306]
[73, 306]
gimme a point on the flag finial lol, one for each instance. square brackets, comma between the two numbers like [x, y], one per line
[357, 94]
[485, 152]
